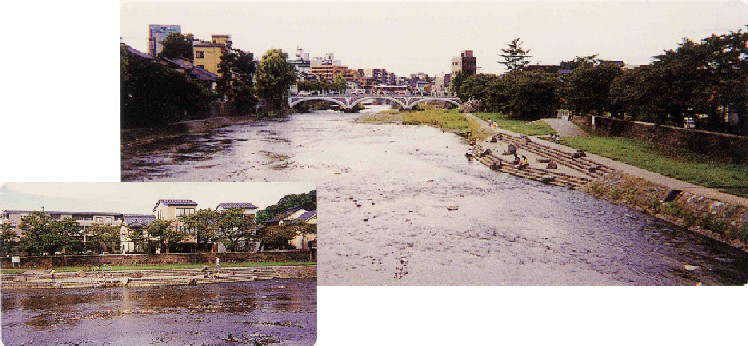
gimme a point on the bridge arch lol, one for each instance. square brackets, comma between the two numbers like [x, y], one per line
[428, 99]
[382, 97]
[293, 102]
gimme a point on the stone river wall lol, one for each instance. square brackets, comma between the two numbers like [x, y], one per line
[170, 258]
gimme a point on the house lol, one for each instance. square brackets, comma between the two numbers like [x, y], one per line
[291, 216]
[305, 241]
[131, 223]
[246, 207]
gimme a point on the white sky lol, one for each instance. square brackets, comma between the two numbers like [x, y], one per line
[422, 37]
[139, 198]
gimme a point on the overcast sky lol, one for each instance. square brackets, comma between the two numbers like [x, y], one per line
[422, 37]
[138, 198]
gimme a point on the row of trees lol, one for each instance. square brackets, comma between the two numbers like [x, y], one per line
[701, 80]
[154, 94]
[338, 84]
[43, 235]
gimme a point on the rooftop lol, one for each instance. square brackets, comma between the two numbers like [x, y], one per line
[176, 202]
[233, 205]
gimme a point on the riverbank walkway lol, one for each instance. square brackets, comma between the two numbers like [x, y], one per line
[539, 148]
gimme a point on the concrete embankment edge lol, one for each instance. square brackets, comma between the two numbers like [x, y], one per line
[146, 278]
[717, 215]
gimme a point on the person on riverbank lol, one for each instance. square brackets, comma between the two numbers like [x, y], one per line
[218, 263]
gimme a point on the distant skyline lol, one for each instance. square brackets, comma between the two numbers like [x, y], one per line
[139, 198]
[416, 37]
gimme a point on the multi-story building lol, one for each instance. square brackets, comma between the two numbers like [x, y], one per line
[172, 209]
[157, 33]
[207, 54]
[246, 207]
[302, 63]
[464, 63]
[84, 218]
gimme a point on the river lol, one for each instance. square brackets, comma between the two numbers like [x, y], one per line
[274, 311]
[383, 219]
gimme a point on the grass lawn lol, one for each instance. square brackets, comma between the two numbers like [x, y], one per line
[450, 120]
[529, 128]
[167, 266]
[690, 167]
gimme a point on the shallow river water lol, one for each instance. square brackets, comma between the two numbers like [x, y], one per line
[383, 219]
[274, 311]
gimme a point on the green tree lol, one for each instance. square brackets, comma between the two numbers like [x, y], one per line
[339, 84]
[306, 201]
[586, 90]
[524, 94]
[234, 227]
[41, 234]
[476, 87]
[8, 239]
[236, 70]
[203, 224]
[166, 233]
[153, 95]
[178, 46]
[514, 56]
[104, 236]
[277, 237]
[274, 78]
[456, 81]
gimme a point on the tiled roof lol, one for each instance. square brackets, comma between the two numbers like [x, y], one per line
[57, 212]
[136, 220]
[240, 205]
[203, 74]
[188, 202]
[308, 215]
[176, 202]
[138, 53]
[283, 215]
[193, 70]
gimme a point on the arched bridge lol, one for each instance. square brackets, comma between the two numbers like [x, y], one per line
[349, 101]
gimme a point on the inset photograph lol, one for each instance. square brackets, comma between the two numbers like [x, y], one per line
[172, 263]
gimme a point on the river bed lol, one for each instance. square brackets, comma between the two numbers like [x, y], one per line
[401, 205]
[273, 311]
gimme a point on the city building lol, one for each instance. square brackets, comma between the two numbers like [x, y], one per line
[246, 207]
[302, 63]
[157, 33]
[464, 63]
[207, 54]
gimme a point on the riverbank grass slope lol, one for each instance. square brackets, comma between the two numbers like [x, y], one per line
[687, 166]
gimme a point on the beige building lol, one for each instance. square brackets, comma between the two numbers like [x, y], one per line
[172, 209]
[207, 54]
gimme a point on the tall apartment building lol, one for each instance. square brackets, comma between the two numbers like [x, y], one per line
[157, 33]
[464, 63]
[207, 54]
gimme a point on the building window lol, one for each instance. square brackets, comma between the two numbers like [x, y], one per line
[200, 54]
[184, 211]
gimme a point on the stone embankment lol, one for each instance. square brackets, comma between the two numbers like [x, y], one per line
[144, 278]
[706, 211]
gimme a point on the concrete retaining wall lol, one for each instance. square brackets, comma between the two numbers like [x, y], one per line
[723, 147]
[134, 259]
